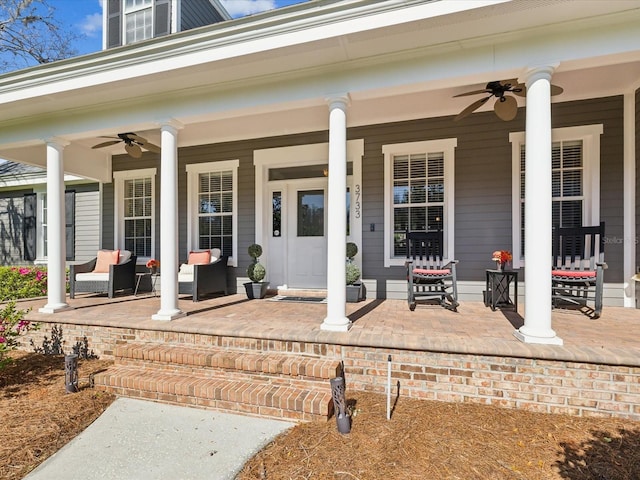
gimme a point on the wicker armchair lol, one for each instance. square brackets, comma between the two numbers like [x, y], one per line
[121, 277]
[201, 280]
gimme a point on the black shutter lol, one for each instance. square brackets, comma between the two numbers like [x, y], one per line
[114, 23]
[70, 223]
[162, 20]
[29, 226]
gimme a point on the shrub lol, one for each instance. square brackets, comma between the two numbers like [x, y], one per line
[352, 250]
[353, 273]
[12, 324]
[22, 282]
[255, 271]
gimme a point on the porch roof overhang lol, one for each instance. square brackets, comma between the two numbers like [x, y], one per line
[270, 74]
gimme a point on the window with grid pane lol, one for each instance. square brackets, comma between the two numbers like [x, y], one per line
[418, 195]
[215, 211]
[567, 189]
[138, 216]
[139, 20]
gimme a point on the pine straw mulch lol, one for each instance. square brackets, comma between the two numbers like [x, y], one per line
[423, 439]
[38, 416]
[435, 440]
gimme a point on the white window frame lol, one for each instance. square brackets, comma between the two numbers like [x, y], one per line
[118, 223]
[590, 137]
[193, 170]
[447, 146]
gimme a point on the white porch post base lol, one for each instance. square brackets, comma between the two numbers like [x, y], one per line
[54, 308]
[532, 335]
[168, 315]
[337, 324]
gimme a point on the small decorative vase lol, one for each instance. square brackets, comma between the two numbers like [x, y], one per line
[500, 266]
[153, 270]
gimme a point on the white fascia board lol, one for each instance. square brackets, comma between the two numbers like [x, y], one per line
[246, 36]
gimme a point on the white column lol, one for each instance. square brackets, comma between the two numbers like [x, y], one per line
[629, 207]
[537, 211]
[336, 319]
[56, 248]
[169, 224]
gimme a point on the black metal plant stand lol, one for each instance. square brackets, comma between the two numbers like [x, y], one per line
[498, 289]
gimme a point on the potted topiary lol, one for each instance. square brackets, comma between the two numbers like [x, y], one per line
[355, 289]
[256, 272]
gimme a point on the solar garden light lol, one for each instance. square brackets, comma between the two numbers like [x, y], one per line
[340, 404]
[71, 372]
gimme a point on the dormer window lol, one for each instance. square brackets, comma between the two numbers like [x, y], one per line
[138, 20]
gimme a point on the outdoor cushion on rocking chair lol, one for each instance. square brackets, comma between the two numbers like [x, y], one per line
[204, 273]
[577, 275]
[428, 277]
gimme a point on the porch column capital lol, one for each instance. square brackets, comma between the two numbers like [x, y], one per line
[339, 100]
[171, 125]
[57, 143]
[539, 72]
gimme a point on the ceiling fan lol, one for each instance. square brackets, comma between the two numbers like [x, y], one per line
[133, 144]
[506, 106]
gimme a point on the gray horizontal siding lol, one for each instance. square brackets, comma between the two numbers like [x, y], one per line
[197, 13]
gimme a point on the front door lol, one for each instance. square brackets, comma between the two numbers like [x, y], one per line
[306, 234]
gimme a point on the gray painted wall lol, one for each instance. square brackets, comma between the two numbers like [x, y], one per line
[482, 183]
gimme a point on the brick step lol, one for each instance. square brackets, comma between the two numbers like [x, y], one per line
[199, 360]
[258, 396]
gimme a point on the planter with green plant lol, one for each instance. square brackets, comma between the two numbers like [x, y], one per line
[256, 272]
[355, 288]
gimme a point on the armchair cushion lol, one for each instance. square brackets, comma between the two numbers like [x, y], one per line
[423, 271]
[199, 258]
[106, 258]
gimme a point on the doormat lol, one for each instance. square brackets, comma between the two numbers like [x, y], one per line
[284, 298]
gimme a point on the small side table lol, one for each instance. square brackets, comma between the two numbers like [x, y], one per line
[498, 289]
[153, 277]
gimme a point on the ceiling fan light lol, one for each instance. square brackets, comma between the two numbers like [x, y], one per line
[133, 150]
[506, 108]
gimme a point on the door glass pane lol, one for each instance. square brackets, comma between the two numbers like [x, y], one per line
[311, 213]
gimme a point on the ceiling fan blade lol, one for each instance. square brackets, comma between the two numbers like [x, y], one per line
[475, 92]
[106, 144]
[151, 147]
[520, 90]
[135, 138]
[506, 108]
[467, 111]
[133, 150]
[512, 82]
[556, 90]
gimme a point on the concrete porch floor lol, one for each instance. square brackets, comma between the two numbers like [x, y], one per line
[612, 339]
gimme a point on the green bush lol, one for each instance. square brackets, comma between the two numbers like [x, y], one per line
[352, 250]
[255, 271]
[22, 282]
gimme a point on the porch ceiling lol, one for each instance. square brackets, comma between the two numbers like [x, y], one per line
[270, 75]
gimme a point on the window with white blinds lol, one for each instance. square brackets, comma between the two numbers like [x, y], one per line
[212, 203]
[138, 216]
[134, 226]
[419, 184]
[215, 211]
[418, 195]
[567, 177]
[575, 180]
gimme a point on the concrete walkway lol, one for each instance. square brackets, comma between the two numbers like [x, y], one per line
[141, 440]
